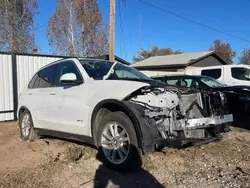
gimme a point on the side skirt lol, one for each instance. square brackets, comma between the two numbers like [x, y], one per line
[66, 136]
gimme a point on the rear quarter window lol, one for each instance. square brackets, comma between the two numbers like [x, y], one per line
[44, 78]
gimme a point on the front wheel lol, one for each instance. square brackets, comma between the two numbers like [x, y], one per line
[117, 143]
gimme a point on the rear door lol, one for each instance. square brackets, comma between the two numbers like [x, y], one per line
[39, 96]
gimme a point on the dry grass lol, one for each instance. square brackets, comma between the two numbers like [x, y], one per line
[75, 152]
[39, 177]
[53, 163]
[149, 164]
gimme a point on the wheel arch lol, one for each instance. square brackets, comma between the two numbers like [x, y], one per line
[114, 105]
[21, 110]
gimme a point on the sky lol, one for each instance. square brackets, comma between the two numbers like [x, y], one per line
[139, 25]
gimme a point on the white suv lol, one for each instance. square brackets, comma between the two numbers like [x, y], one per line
[117, 109]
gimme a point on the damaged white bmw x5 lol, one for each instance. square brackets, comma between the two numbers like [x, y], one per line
[118, 109]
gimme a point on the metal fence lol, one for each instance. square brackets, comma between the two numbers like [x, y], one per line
[15, 72]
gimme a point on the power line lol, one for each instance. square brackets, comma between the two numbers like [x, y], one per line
[119, 7]
[181, 7]
[129, 36]
[193, 21]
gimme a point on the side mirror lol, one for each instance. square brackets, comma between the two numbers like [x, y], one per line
[68, 78]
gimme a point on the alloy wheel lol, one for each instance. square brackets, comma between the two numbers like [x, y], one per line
[26, 125]
[115, 143]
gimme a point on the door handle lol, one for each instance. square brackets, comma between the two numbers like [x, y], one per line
[52, 93]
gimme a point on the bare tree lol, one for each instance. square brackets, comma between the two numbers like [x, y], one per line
[77, 28]
[224, 50]
[244, 58]
[155, 51]
[63, 32]
[94, 31]
[17, 25]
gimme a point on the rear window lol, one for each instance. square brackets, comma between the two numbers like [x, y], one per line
[214, 73]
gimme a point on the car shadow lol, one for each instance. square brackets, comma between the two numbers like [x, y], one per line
[138, 177]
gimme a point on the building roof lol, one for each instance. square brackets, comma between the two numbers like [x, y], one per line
[106, 57]
[184, 59]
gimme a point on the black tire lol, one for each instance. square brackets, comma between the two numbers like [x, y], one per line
[31, 136]
[227, 127]
[133, 161]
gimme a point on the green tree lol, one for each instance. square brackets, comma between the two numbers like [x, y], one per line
[154, 51]
[224, 50]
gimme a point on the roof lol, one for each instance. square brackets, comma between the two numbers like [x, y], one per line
[160, 73]
[106, 57]
[182, 76]
[219, 66]
[184, 59]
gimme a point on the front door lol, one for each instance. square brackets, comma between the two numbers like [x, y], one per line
[68, 109]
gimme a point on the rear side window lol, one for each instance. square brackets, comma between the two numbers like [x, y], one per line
[188, 82]
[44, 78]
[172, 82]
[214, 73]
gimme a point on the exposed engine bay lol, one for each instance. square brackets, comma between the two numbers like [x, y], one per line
[184, 114]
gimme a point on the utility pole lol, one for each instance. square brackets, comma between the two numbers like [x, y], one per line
[112, 31]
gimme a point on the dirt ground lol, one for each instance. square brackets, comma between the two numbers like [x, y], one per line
[55, 163]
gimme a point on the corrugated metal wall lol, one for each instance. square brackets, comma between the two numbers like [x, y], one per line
[6, 87]
[26, 66]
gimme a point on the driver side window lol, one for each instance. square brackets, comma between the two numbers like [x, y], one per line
[65, 68]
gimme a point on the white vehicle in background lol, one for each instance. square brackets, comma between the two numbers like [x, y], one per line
[231, 75]
[118, 109]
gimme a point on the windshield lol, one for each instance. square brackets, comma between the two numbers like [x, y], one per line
[96, 69]
[123, 72]
[211, 82]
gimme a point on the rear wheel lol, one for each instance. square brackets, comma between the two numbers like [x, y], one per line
[117, 143]
[26, 126]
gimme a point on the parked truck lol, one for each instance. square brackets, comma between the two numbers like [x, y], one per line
[231, 75]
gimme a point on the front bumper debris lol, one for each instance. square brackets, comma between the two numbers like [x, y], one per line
[193, 139]
[178, 144]
[206, 122]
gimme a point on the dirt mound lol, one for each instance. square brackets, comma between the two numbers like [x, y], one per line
[55, 163]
